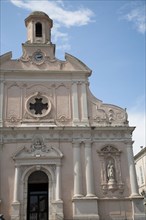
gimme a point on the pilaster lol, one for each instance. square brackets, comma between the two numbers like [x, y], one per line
[44, 31]
[84, 104]
[1, 100]
[75, 107]
[132, 171]
[16, 184]
[16, 204]
[137, 201]
[77, 170]
[84, 207]
[33, 31]
[89, 170]
[58, 183]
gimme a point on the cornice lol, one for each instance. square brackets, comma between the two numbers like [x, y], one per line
[71, 128]
[66, 134]
[75, 61]
[140, 153]
[42, 71]
[5, 57]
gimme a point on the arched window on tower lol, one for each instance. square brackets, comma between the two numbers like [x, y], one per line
[38, 29]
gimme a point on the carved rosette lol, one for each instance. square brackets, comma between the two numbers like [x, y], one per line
[63, 120]
[13, 119]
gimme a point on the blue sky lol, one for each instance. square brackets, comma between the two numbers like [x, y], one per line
[108, 36]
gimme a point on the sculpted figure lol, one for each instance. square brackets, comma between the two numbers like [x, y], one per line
[110, 171]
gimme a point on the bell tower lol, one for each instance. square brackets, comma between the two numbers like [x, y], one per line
[38, 26]
[38, 47]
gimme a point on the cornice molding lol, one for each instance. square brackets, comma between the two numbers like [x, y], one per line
[25, 135]
[5, 57]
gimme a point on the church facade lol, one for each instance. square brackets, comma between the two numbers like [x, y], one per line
[64, 154]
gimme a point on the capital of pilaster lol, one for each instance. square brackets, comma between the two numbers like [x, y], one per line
[17, 166]
[76, 144]
[129, 143]
[2, 81]
[82, 82]
[86, 83]
[88, 143]
[58, 165]
[74, 82]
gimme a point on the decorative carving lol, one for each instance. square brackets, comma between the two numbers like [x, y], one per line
[37, 58]
[110, 149]
[38, 144]
[101, 116]
[41, 88]
[25, 58]
[13, 119]
[53, 167]
[111, 115]
[28, 116]
[63, 120]
[39, 150]
[101, 113]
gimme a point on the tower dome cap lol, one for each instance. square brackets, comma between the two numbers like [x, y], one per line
[39, 14]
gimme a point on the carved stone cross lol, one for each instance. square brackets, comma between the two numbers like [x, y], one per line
[38, 106]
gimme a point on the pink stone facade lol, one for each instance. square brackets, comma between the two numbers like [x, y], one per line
[52, 126]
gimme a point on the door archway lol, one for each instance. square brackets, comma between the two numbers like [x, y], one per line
[37, 199]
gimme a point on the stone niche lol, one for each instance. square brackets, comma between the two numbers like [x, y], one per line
[111, 177]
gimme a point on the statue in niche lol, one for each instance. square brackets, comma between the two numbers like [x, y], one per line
[110, 171]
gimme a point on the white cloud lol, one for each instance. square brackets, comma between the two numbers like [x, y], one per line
[136, 14]
[138, 17]
[137, 117]
[56, 10]
[62, 17]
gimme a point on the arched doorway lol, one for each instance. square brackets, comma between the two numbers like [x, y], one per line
[37, 202]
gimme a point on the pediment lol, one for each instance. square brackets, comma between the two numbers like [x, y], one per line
[29, 63]
[44, 152]
[32, 152]
[38, 150]
[5, 57]
[77, 64]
